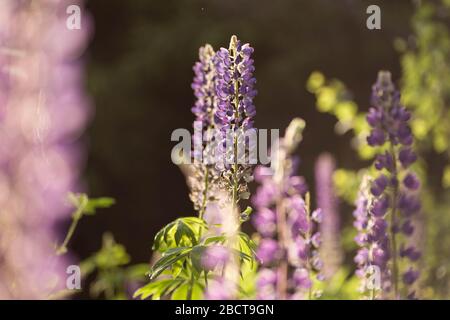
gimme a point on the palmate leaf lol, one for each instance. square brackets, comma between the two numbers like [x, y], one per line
[196, 257]
[181, 232]
[243, 256]
[157, 289]
[247, 247]
[215, 239]
[247, 242]
[168, 259]
[181, 293]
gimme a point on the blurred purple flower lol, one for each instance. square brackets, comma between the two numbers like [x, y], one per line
[215, 256]
[328, 215]
[43, 110]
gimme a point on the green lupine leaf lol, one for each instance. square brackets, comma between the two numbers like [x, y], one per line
[177, 268]
[197, 291]
[157, 241]
[214, 239]
[248, 242]
[184, 231]
[149, 289]
[94, 204]
[194, 220]
[196, 257]
[179, 232]
[169, 257]
[243, 256]
[181, 292]
[157, 289]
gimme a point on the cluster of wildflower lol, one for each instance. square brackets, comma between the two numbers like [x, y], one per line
[330, 250]
[395, 189]
[43, 110]
[288, 249]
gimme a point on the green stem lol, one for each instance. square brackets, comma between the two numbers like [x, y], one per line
[205, 194]
[206, 279]
[235, 142]
[372, 294]
[191, 287]
[308, 237]
[62, 249]
[392, 231]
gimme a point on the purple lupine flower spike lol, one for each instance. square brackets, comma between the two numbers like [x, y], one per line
[203, 176]
[203, 86]
[234, 116]
[395, 189]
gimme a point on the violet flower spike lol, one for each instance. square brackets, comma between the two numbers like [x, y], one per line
[234, 116]
[203, 177]
[395, 190]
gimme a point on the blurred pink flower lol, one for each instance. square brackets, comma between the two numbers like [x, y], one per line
[43, 110]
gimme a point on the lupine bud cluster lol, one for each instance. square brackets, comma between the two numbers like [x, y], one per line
[288, 249]
[42, 112]
[394, 190]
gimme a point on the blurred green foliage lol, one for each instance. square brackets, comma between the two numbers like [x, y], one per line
[113, 278]
[83, 206]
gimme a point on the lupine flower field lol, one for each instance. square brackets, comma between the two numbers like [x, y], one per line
[178, 151]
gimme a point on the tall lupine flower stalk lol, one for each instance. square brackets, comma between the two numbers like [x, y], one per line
[330, 250]
[234, 116]
[288, 249]
[204, 177]
[395, 189]
[42, 110]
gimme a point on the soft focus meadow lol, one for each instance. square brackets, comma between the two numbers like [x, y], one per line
[96, 203]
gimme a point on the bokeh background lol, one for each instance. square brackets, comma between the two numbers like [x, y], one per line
[139, 71]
